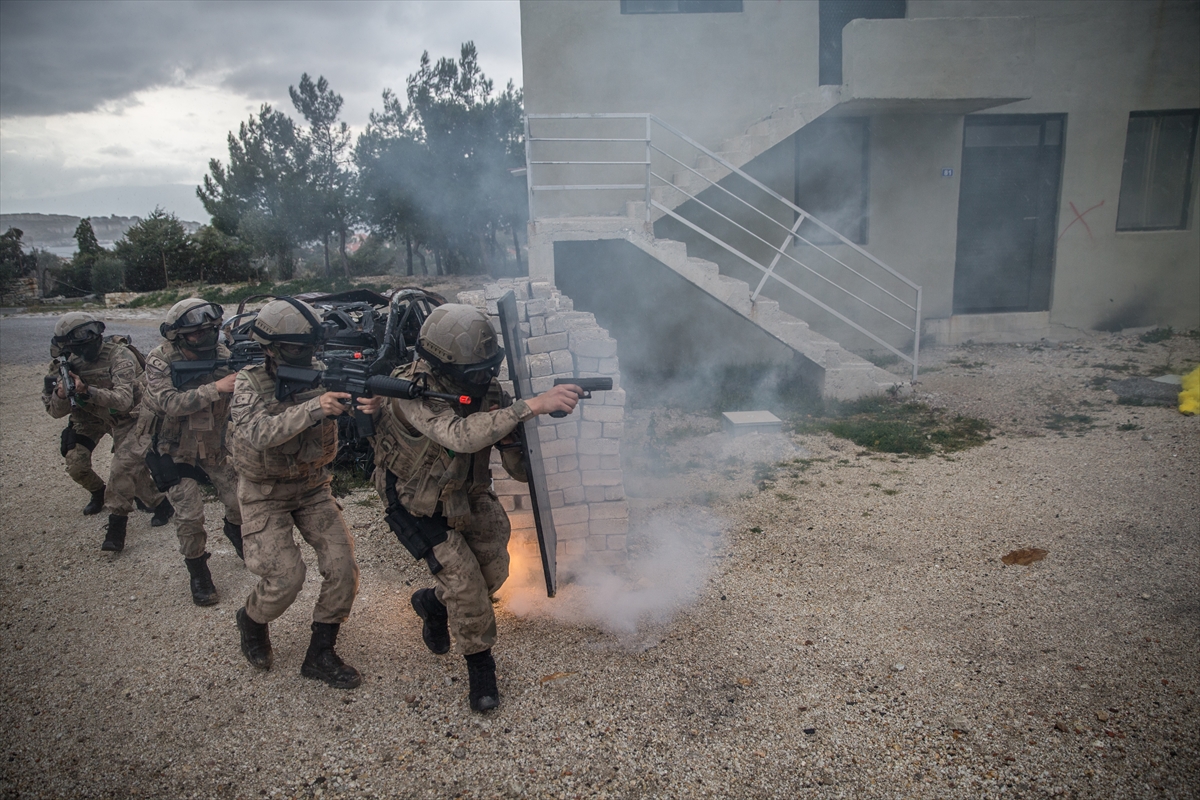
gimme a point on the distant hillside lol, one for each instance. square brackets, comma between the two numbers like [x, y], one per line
[58, 230]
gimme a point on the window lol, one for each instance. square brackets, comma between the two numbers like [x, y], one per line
[831, 178]
[834, 16]
[680, 6]
[1156, 180]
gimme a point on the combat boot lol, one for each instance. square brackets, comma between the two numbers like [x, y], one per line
[114, 537]
[322, 663]
[481, 673]
[256, 640]
[234, 534]
[162, 513]
[203, 591]
[436, 631]
[96, 504]
[137, 501]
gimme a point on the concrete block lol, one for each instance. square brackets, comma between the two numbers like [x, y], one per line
[568, 463]
[596, 413]
[565, 480]
[570, 514]
[475, 298]
[535, 308]
[590, 462]
[588, 364]
[563, 361]
[555, 323]
[599, 447]
[494, 291]
[508, 503]
[492, 308]
[612, 510]
[577, 530]
[568, 430]
[614, 430]
[593, 348]
[597, 543]
[556, 498]
[550, 466]
[547, 433]
[595, 494]
[616, 397]
[539, 365]
[616, 543]
[591, 430]
[571, 549]
[540, 289]
[606, 558]
[559, 447]
[605, 366]
[503, 486]
[537, 326]
[609, 527]
[574, 495]
[741, 423]
[540, 385]
[524, 328]
[520, 520]
[606, 462]
[548, 343]
[596, 477]
[614, 492]
[523, 502]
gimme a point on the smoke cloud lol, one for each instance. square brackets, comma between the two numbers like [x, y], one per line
[662, 577]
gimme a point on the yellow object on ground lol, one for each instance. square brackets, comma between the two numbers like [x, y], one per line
[1189, 398]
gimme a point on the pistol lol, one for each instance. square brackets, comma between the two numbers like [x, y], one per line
[588, 385]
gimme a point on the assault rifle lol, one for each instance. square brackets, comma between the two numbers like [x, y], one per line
[64, 377]
[354, 377]
[242, 354]
[588, 385]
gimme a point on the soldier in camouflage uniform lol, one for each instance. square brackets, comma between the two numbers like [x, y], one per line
[108, 387]
[187, 427]
[432, 468]
[281, 450]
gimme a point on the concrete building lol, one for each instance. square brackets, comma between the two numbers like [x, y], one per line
[1030, 166]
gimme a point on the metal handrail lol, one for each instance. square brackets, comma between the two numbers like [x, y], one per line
[780, 252]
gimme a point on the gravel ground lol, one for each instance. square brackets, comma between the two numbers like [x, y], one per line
[846, 629]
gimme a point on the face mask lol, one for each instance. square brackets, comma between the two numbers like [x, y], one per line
[297, 355]
[206, 343]
[89, 351]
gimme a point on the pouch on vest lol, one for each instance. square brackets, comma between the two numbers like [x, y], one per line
[162, 469]
[418, 535]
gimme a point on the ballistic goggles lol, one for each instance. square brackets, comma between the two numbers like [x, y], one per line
[81, 334]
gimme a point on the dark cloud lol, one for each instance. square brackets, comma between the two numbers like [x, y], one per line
[62, 57]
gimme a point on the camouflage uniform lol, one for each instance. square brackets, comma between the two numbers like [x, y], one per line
[440, 460]
[114, 389]
[189, 425]
[280, 450]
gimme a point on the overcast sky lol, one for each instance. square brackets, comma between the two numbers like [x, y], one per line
[115, 107]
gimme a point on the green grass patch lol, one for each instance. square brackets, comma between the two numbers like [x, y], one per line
[346, 480]
[1157, 335]
[884, 424]
[1070, 423]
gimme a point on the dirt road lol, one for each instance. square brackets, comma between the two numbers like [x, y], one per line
[847, 631]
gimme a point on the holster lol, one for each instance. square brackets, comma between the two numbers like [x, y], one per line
[71, 438]
[166, 473]
[418, 535]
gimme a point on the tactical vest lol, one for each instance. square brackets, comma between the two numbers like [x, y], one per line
[214, 418]
[426, 472]
[98, 373]
[299, 458]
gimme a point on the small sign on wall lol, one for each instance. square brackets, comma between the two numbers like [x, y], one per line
[947, 172]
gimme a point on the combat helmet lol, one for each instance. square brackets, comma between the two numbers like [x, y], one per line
[191, 316]
[458, 341]
[79, 333]
[289, 330]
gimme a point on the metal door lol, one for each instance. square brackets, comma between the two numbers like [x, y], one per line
[1007, 212]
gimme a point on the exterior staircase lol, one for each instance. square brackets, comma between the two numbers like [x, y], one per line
[673, 170]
